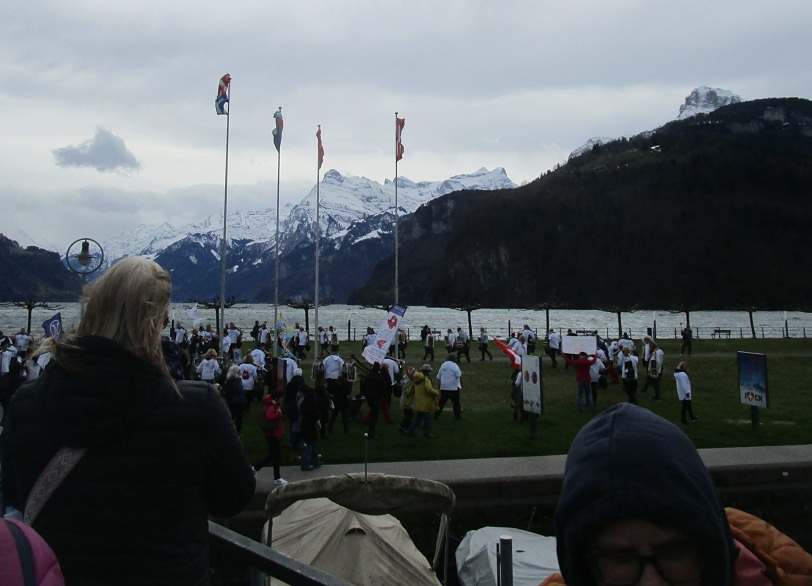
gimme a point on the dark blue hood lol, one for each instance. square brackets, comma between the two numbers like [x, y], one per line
[630, 463]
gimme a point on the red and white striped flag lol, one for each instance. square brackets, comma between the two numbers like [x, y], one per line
[321, 148]
[399, 124]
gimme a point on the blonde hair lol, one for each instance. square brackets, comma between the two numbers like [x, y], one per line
[129, 305]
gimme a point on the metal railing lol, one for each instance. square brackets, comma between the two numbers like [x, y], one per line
[260, 561]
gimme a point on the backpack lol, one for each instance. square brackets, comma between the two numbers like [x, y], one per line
[27, 557]
[265, 425]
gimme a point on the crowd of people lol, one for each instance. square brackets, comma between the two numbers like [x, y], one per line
[142, 430]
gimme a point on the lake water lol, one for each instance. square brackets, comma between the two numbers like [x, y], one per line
[352, 321]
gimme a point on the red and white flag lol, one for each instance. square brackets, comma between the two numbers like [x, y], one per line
[515, 359]
[321, 148]
[399, 124]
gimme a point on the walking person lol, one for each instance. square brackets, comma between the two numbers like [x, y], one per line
[553, 345]
[628, 369]
[428, 346]
[311, 423]
[583, 378]
[273, 430]
[449, 378]
[463, 345]
[424, 397]
[684, 392]
[687, 340]
[483, 344]
[654, 370]
[209, 368]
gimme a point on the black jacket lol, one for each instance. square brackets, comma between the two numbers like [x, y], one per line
[135, 508]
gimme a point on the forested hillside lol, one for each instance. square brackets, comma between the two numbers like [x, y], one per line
[710, 212]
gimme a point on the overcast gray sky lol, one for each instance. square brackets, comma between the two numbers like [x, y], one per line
[108, 115]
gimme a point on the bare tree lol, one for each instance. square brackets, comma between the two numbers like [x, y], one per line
[468, 308]
[306, 303]
[30, 304]
[214, 304]
[619, 310]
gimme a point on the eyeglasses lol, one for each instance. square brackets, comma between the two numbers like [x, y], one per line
[677, 563]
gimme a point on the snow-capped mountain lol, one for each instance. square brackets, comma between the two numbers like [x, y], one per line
[342, 201]
[355, 226]
[702, 100]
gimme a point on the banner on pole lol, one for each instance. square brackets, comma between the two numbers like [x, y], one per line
[376, 351]
[753, 379]
[532, 391]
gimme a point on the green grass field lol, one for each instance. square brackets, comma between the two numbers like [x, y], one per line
[488, 430]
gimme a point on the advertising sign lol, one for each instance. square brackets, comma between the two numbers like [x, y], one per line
[753, 388]
[532, 392]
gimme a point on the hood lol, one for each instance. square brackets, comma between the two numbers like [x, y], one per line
[630, 463]
[104, 398]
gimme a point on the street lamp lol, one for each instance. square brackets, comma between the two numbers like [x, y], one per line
[86, 261]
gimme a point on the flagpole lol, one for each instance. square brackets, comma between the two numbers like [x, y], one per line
[318, 233]
[396, 210]
[276, 271]
[225, 216]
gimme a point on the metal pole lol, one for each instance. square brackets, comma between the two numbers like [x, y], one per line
[396, 213]
[276, 259]
[318, 234]
[222, 324]
[506, 551]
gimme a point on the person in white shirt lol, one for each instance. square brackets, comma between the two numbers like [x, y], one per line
[450, 340]
[628, 368]
[235, 334]
[463, 345]
[302, 342]
[654, 370]
[225, 344]
[428, 346]
[324, 342]
[684, 392]
[209, 368]
[449, 378]
[180, 335]
[483, 344]
[553, 345]
[259, 355]
[334, 369]
[21, 341]
[595, 372]
[249, 374]
[530, 336]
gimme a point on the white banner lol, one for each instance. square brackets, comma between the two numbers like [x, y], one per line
[577, 344]
[376, 351]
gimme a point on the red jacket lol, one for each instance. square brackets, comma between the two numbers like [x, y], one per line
[582, 365]
[272, 413]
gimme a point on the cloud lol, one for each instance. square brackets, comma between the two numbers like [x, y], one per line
[104, 152]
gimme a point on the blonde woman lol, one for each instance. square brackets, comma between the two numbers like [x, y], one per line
[209, 368]
[161, 456]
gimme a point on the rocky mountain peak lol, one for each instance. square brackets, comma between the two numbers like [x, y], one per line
[704, 100]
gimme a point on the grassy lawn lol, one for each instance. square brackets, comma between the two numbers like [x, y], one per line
[488, 430]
